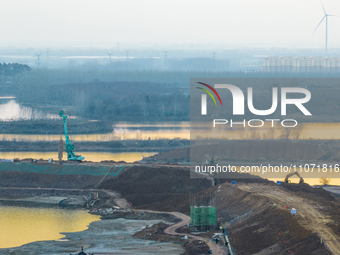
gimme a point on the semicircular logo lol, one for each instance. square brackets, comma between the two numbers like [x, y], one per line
[209, 93]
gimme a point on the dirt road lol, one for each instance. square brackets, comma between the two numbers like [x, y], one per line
[171, 230]
[309, 215]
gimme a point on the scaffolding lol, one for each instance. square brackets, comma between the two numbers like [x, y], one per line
[202, 211]
[202, 215]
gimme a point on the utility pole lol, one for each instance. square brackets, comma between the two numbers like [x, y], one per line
[127, 54]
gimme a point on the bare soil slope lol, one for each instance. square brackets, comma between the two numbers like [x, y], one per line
[258, 222]
[167, 187]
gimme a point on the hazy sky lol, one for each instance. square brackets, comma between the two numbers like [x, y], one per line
[273, 23]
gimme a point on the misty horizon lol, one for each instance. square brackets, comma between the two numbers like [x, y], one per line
[199, 24]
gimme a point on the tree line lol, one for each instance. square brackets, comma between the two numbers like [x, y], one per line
[12, 69]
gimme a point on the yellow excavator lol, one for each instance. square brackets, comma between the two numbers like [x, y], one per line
[290, 175]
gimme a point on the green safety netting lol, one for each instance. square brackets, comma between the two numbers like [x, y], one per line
[202, 215]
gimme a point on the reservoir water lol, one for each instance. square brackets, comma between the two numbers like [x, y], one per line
[11, 111]
[20, 225]
[55, 231]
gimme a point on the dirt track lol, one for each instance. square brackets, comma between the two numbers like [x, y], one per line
[309, 216]
[171, 230]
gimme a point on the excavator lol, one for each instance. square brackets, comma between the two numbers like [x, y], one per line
[71, 153]
[290, 175]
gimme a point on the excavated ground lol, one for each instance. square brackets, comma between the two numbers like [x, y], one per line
[254, 213]
[156, 233]
[258, 222]
[160, 188]
[140, 185]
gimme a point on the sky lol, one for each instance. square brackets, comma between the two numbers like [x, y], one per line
[233, 23]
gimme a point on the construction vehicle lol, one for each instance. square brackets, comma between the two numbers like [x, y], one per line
[71, 153]
[290, 175]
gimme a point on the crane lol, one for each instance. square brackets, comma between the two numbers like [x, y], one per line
[71, 153]
[291, 174]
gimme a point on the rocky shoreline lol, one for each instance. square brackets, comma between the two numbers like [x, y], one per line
[110, 236]
[116, 225]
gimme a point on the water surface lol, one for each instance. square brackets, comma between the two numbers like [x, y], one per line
[20, 225]
[12, 111]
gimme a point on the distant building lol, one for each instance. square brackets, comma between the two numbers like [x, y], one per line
[304, 64]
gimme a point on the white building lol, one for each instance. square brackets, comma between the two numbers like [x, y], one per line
[289, 63]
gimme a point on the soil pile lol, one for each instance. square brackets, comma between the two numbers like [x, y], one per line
[277, 230]
[259, 220]
[313, 193]
[156, 233]
[142, 186]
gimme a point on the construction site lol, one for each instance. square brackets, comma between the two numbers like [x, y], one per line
[169, 127]
[229, 214]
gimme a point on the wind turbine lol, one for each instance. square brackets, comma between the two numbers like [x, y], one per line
[38, 59]
[326, 16]
[127, 53]
[165, 54]
[110, 54]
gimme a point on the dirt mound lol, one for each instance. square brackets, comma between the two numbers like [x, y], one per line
[277, 227]
[167, 200]
[176, 203]
[258, 225]
[307, 191]
[144, 185]
[315, 213]
[146, 180]
[194, 247]
[156, 233]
